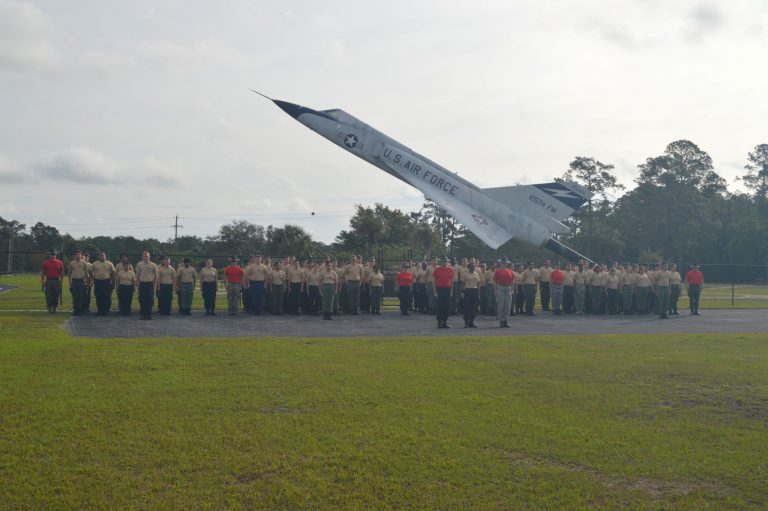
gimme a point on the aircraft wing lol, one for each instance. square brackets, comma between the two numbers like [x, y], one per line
[555, 200]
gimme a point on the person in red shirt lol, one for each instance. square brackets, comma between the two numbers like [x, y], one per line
[443, 280]
[404, 279]
[503, 278]
[51, 273]
[694, 283]
[233, 275]
[556, 279]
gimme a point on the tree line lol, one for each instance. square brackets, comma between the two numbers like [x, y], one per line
[679, 210]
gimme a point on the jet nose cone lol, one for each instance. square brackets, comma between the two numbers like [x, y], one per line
[292, 109]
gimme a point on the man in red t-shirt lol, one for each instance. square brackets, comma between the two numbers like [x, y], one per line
[443, 279]
[556, 279]
[694, 283]
[503, 278]
[233, 275]
[51, 273]
[404, 280]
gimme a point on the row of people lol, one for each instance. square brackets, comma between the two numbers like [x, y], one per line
[288, 285]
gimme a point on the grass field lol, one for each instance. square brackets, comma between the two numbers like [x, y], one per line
[601, 422]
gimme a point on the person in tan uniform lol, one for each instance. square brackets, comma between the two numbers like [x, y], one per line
[314, 300]
[597, 290]
[675, 280]
[580, 284]
[256, 274]
[77, 276]
[146, 275]
[431, 291]
[612, 282]
[568, 295]
[377, 289]
[642, 285]
[103, 275]
[530, 280]
[627, 289]
[353, 275]
[365, 286]
[661, 284]
[126, 285]
[420, 276]
[166, 287]
[544, 283]
[186, 276]
[209, 284]
[519, 289]
[88, 283]
[295, 274]
[470, 290]
[329, 285]
[277, 282]
[456, 288]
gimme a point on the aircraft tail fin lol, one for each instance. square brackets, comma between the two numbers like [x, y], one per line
[556, 200]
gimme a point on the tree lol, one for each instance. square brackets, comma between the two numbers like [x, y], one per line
[446, 226]
[240, 237]
[290, 240]
[683, 166]
[46, 237]
[369, 226]
[597, 178]
[757, 177]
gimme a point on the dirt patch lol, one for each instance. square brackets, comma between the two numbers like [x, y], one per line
[653, 487]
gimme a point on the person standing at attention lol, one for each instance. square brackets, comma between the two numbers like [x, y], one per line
[694, 284]
[147, 276]
[51, 274]
[209, 284]
[234, 276]
[404, 281]
[443, 280]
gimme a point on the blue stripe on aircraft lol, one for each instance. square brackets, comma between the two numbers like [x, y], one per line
[563, 194]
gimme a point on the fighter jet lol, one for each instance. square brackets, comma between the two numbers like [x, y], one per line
[529, 213]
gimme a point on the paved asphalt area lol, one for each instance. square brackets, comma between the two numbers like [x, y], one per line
[392, 324]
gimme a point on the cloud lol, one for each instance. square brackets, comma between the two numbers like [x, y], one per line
[26, 39]
[79, 165]
[85, 165]
[704, 19]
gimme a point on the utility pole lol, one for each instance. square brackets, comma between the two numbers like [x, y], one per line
[176, 228]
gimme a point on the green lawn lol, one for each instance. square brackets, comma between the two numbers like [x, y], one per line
[600, 422]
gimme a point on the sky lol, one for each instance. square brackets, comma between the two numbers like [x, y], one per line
[116, 116]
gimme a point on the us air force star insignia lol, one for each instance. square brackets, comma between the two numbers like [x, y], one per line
[350, 141]
[564, 194]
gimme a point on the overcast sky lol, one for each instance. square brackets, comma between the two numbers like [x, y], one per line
[116, 115]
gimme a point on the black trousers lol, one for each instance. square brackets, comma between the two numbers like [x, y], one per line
[443, 304]
[471, 296]
[520, 299]
[530, 297]
[87, 299]
[165, 299]
[103, 291]
[365, 298]
[404, 294]
[146, 298]
[77, 288]
[544, 296]
[314, 300]
[596, 299]
[568, 299]
[52, 291]
[294, 298]
[125, 298]
[209, 295]
[612, 296]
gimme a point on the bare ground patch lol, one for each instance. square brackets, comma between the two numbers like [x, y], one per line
[656, 488]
